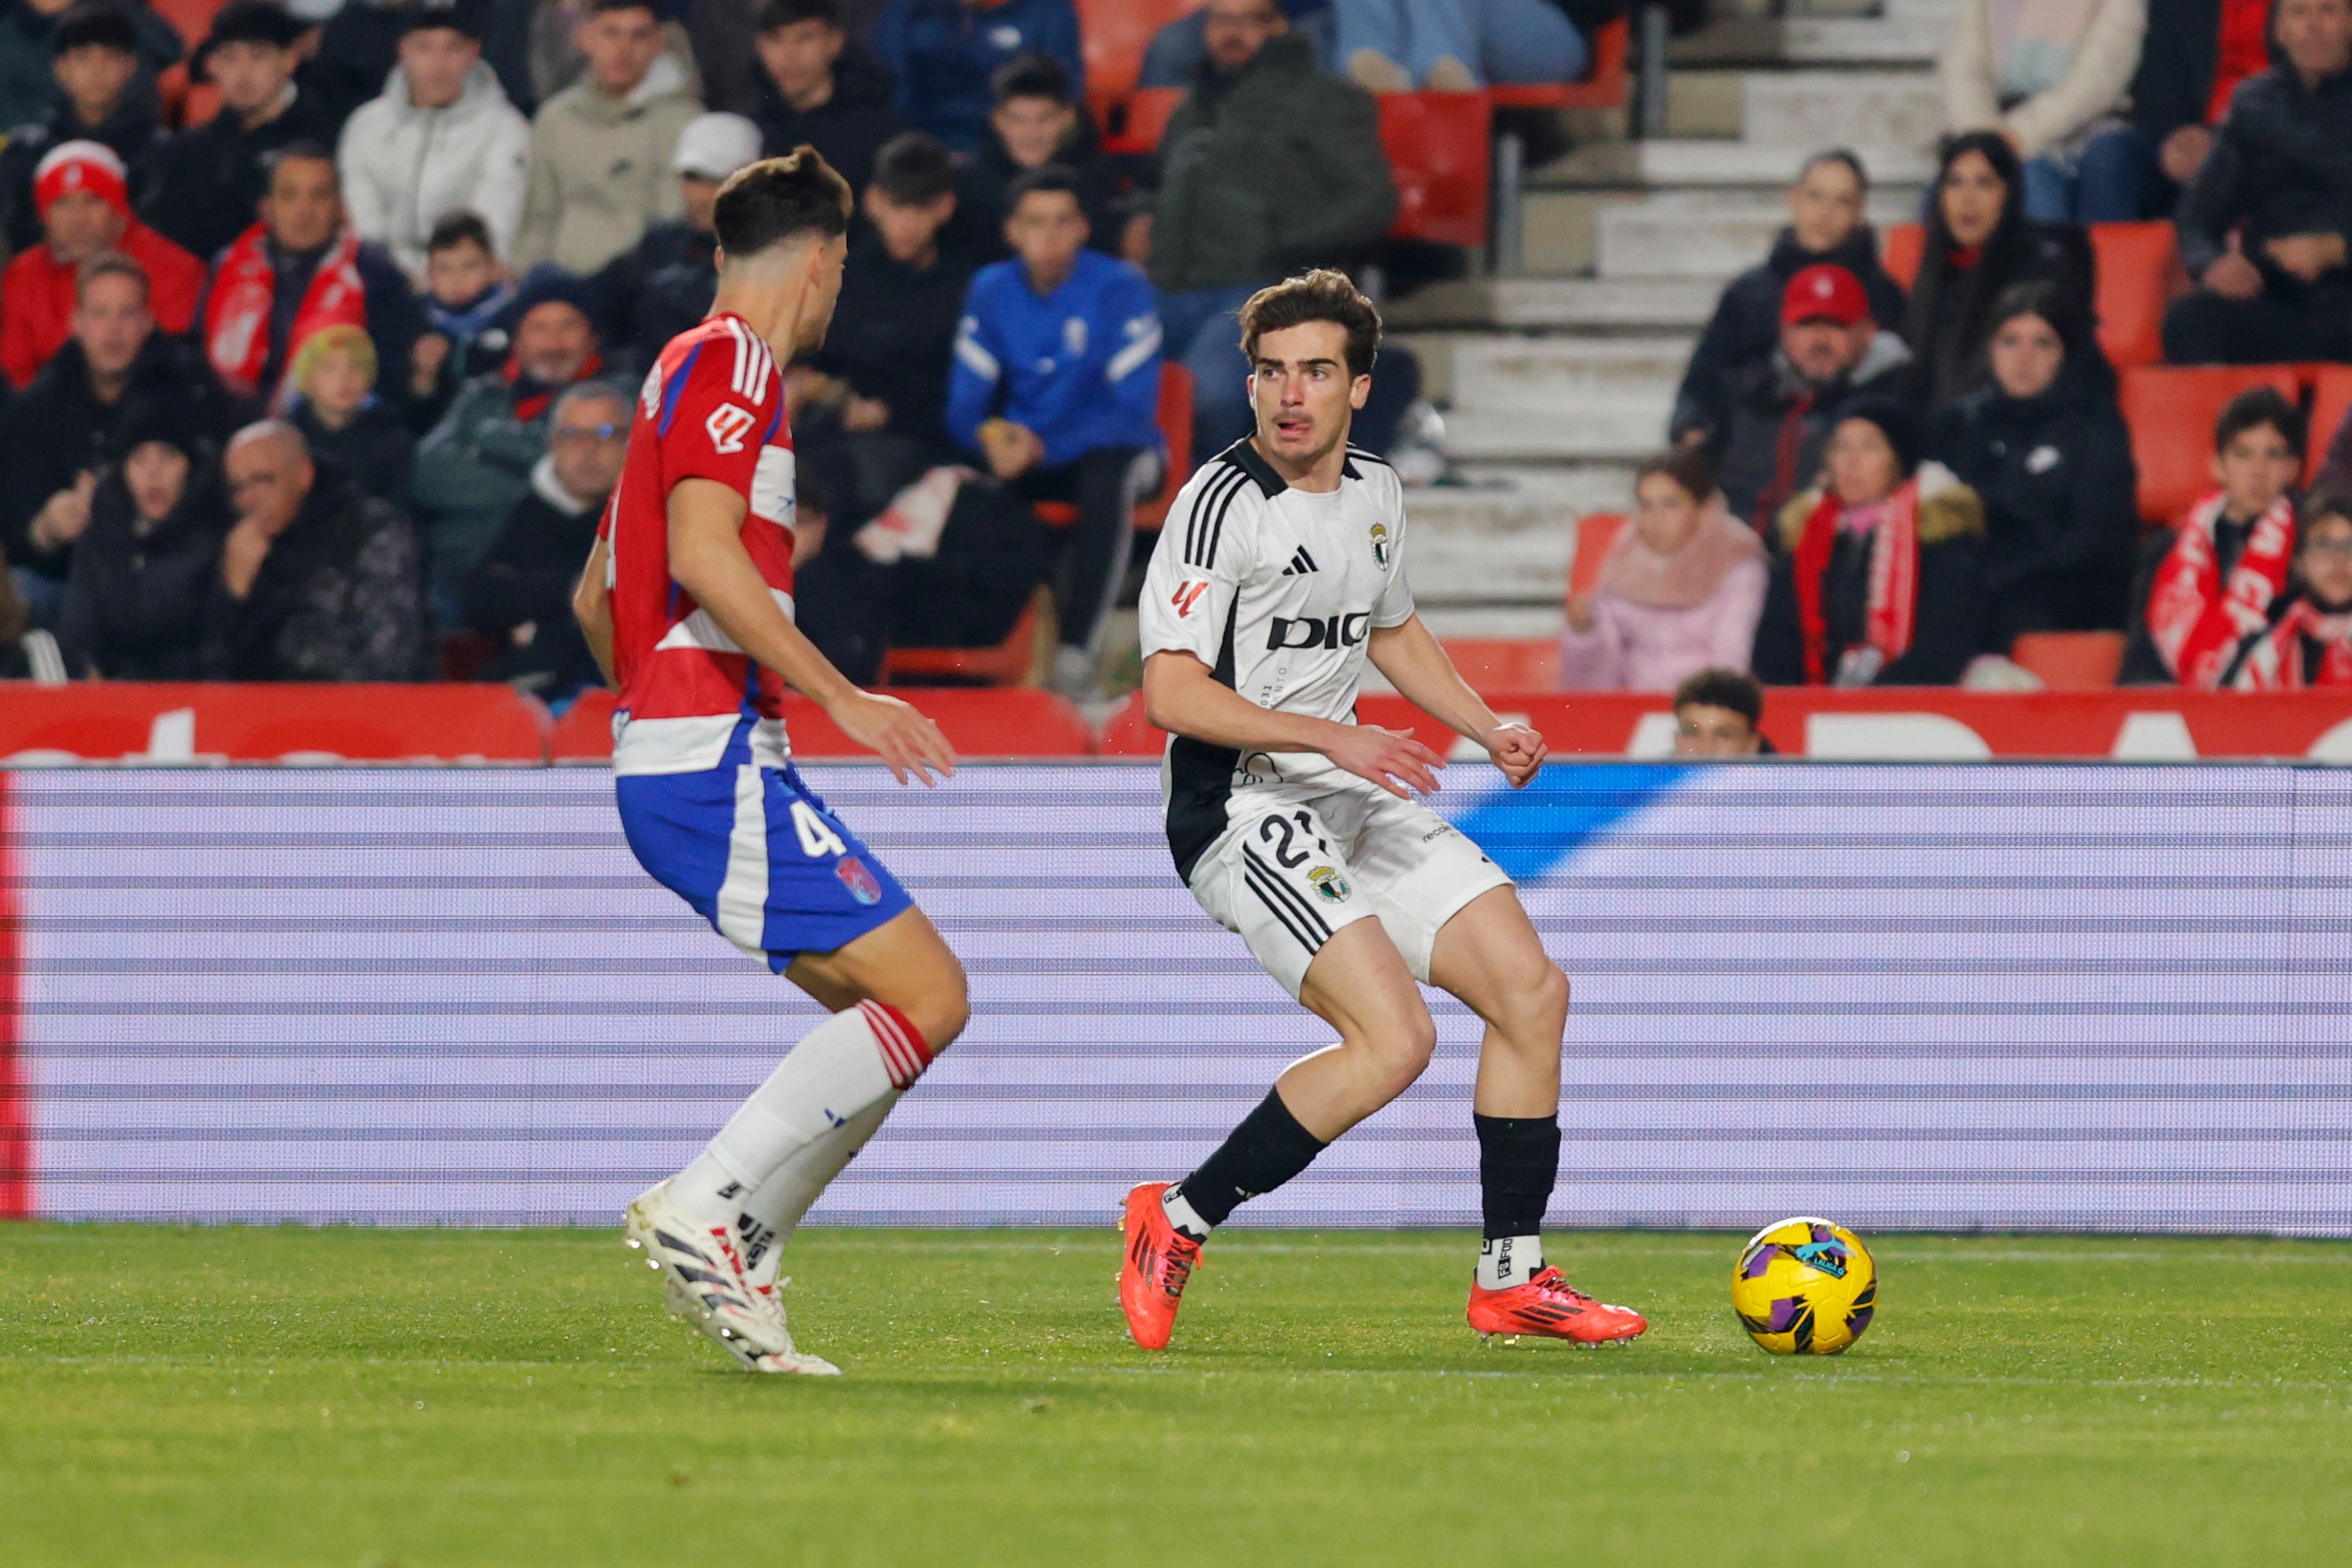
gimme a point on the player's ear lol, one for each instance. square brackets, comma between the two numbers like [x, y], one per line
[1359, 391]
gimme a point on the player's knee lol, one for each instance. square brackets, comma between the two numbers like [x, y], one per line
[944, 1008]
[1409, 1052]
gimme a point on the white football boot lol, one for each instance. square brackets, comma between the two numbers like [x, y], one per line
[703, 1283]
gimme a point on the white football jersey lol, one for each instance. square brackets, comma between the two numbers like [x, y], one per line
[1277, 590]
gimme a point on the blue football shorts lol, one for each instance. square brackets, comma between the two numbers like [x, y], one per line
[757, 854]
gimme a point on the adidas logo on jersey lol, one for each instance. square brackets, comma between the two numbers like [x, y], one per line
[1300, 564]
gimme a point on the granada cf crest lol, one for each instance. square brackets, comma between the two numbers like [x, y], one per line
[858, 880]
[1329, 884]
[1380, 543]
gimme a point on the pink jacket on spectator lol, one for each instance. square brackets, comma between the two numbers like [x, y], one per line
[1662, 618]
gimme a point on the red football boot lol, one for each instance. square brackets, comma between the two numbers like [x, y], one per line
[1159, 1259]
[1549, 1307]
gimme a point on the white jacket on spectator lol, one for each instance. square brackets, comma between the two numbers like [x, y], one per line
[2061, 66]
[404, 167]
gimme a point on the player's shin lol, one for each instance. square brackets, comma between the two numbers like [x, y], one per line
[1518, 1162]
[773, 1212]
[841, 1069]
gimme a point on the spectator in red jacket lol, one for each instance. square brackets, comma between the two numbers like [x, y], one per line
[82, 193]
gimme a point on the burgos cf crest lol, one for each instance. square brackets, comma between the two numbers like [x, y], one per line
[1380, 543]
[1329, 884]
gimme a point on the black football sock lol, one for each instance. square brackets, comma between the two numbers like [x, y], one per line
[1268, 1149]
[1519, 1162]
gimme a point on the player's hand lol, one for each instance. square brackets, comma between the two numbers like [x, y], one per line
[1518, 750]
[908, 743]
[1390, 759]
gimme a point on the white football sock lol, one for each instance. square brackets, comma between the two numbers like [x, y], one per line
[1183, 1215]
[840, 1068]
[1507, 1261]
[771, 1214]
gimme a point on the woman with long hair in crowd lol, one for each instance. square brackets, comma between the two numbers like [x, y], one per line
[1979, 242]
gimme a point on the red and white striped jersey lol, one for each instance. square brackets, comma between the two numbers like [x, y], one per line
[712, 408]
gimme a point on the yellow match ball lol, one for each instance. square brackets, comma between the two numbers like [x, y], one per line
[1804, 1287]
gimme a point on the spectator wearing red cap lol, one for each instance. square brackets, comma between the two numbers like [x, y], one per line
[1765, 440]
[96, 60]
[81, 193]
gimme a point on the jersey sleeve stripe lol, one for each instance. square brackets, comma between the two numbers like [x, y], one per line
[1125, 361]
[1220, 489]
[677, 389]
[1217, 526]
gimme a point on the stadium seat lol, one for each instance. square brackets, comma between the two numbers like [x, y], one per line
[1147, 113]
[1506, 664]
[1176, 430]
[191, 19]
[1595, 532]
[2137, 263]
[2331, 403]
[1439, 146]
[2072, 661]
[1900, 251]
[2172, 409]
[1604, 84]
[1007, 663]
[1112, 37]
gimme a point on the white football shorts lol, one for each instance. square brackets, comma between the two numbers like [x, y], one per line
[1288, 874]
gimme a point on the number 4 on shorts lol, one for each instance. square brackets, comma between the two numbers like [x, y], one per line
[818, 841]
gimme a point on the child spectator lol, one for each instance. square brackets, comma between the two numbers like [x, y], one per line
[1458, 46]
[142, 572]
[1764, 441]
[2311, 644]
[2264, 225]
[1056, 388]
[1680, 589]
[944, 53]
[2213, 584]
[334, 406]
[95, 59]
[2045, 449]
[520, 596]
[440, 138]
[317, 582]
[477, 463]
[1036, 122]
[818, 90]
[299, 270]
[466, 294]
[210, 180]
[1880, 580]
[1979, 242]
[1825, 228]
[600, 149]
[2055, 75]
[1715, 716]
[663, 284]
[69, 426]
[80, 189]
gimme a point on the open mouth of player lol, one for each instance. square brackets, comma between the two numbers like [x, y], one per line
[1293, 426]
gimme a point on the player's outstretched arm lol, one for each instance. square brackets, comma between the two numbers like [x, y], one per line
[1182, 697]
[1419, 668]
[706, 558]
[592, 606]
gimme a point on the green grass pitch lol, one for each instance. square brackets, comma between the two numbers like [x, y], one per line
[353, 1397]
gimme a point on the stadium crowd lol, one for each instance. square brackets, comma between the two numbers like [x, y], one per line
[320, 344]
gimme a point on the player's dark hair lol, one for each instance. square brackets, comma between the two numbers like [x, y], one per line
[1323, 295]
[300, 152]
[914, 169]
[2252, 409]
[1845, 155]
[650, 7]
[778, 200]
[453, 229]
[1032, 76]
[1045, 177]
[1733, 690]
[775, 15]
[1686, 465]
[110, 263]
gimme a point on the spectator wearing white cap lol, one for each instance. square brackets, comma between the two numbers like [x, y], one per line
[441, 138]
[80, 190]
[662, 285]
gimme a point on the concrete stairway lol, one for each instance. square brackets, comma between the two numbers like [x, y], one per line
[1556, 384]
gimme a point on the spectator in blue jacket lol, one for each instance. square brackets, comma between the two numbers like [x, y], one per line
[945, 52]
[1056, 388]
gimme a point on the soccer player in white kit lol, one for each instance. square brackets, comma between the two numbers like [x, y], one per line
[1280, 571]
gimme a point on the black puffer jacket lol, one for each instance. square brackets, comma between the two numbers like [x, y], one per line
[1746, 326]
[2055, 475]
[339, 597]
[136, 603]
[2281, 165]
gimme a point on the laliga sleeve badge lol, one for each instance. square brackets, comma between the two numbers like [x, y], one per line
[858, 880]
[1329, 884]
